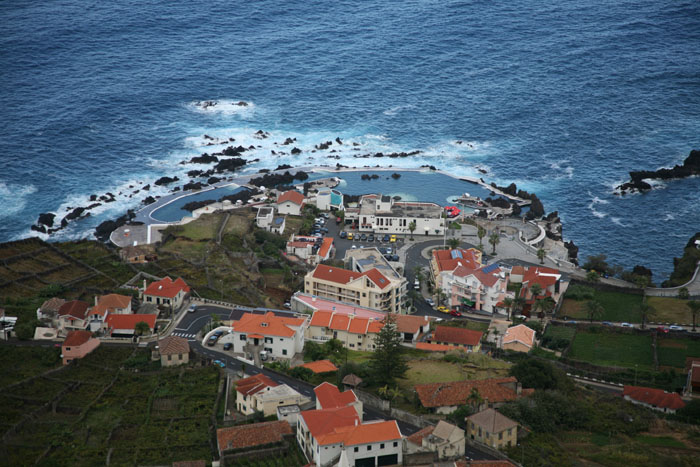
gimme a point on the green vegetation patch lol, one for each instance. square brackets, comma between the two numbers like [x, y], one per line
[661, 441]
[673, 352]
[609, 348]
[617, 307]
[669, 310]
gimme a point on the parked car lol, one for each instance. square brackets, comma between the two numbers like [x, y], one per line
[392, 239]
[354, 246]
[212, 340]
[324, 230]
[627, 325]
[351, 235]
[343, 234]
[287, 305]
[394, 257]
[363, 237]
[606, 323]
[370, 238]
[416, 284]
[455, 313]
[675, 327]
[220, 363]
[430, 301]
[662, 329]
[192, 308]
[228, 346]
[386, 238]
[443, 309]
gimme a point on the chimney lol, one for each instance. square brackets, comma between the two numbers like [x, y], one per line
[144, 284]
[95, 300]
[355, 422]
[518, 388]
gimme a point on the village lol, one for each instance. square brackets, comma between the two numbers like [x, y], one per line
[405, 340]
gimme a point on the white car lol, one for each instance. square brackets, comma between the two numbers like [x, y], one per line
[430, 301]
[675, 327]
[416, 284]
[192, 308]
[627, 325]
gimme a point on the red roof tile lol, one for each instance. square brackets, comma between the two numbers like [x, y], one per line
[254, 384]
[374, 327]
[410, 323]
[256, 434]
[496, 390]
[452, 335]
[324, 421]
[344, 276]
[129, 321]
[340, 322]
[173, 345]
[365, 433]
[325, 247]
[358, 325]
[291, 195]
[655, 397]
[321, 319]
[539, 275]
[75, 308]
[76, 338]
[433, 347]
[268, 324]
[417, 437]
[329, 396]
[108, 303]
[167, 287]
[320, 366]
[470, 259]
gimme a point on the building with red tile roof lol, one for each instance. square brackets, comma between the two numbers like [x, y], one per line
[433, 347]
[72, 316]
[463, 338]
[310, 304]
[290, 202]
[445, 398]
[656, 399]
[411, 327]
[320, 366]
[49, 309]
[124, 325]
[259, 393]
[77, 344]
[692, 366]
[325, 251]
[549, 280]
[370, 289]
[353, 332]
[328, 396]
[167, 292]
[252, 435]
[519, 338]
[281, 336]
[105, 305]
[449, 260]
[308, 249]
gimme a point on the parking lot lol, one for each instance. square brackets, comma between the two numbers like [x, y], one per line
[343, 244]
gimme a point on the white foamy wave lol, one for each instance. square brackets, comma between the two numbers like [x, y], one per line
[398, 108]
[471, 145]
[616, 220]
[597, 200]
[598, 214]
[223, 106]
[669, 217]
[562, 166]
[13, 198]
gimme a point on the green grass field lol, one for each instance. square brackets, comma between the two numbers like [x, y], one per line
[560, 332]
[673, 352]
[618, 307]
[612, 349]
[669, 310]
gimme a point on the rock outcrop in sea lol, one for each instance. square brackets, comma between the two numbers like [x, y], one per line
[637, 183]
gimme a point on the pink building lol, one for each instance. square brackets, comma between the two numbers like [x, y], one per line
[77, 345]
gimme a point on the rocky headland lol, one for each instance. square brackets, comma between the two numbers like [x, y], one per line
[638, 183]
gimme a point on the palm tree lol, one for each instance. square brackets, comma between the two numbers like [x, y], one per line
[412, 227]
[518, 304]
[545, 305]
[141, 328]
[683, 293]
[440, 295]
[594, 309]
[474, 399]
[389, 393]
[536, 290]
[541, 253]
[694, 309]
[644, 310]
[508, 305]
[494, 240]
[453, 243]
[481, 233]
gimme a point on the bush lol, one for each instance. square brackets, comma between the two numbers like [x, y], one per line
[537, 374]
[580, 292]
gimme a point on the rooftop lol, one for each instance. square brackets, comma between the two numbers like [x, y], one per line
[453, 335]
[291, 195]
[345, 276]
[52, 304]
[256, 434]
[167, 287]
[329, 396]
[254, 384]
[268, 324]
[76, 338]
[365, 433]
[324, 421]
[368, 206]
[319, 303]
[449, 260]
[365, 259]
[320, 366]
[173, 345]
[655, 397]
[75, 308]
[456, 393]
[519, 333]
[492, 421]
[129, 321]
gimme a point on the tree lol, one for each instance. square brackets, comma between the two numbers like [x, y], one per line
[141, 328]
[642, 281]
[302, 373]
[474, 400]
[644, 309]
[683, 293]
[694, 306]
[412, 227]
[545, 305]
[536, 290]
[508, 305]
[387, 361]
[494, 240]
[596, 263]
[481, 233]
[24, 330]
[389, 393]
[538, 374]
[592, 276]
[453, 243]
[518, 304]
[440, 295]
[541, 253]
[594, 309]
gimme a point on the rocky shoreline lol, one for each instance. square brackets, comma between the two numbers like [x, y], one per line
[638, 183]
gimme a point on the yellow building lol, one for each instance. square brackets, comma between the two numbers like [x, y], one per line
[492, 428]
[173, 351]
[371, 288]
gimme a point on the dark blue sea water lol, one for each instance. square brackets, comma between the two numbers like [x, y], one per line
[561, 97]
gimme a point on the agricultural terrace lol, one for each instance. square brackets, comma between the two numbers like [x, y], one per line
[99, 411]
[617, 306]
[609, 348]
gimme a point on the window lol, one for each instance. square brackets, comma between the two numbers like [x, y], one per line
[510, 431]
[281, 340]
[381, 446]
[396, 443]
[284, 351]
[67, 348]
[170, 357]
[242, 337]
[268, 340]
[352, 345]
[500, 435]
[369, 448]
[179, 356]
[356, 449]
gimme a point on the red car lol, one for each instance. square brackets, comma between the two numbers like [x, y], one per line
[455, 313]
[662, 329]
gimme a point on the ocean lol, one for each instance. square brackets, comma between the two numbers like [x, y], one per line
[561, 97]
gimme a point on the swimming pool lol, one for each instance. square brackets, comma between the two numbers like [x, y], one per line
[174, 212]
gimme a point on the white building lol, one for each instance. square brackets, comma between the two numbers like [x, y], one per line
[328, 199]
[381, 214]
[280, 337]
[259, 393]
[447, 440]
[290, 202]
[264, 217]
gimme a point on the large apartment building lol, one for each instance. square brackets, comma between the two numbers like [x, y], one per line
[382, 214]
[370, 288]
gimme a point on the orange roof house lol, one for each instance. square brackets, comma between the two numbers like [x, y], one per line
[249, 436]
[353, 332]
[326, 246]
[365, 433]
[656, 399]
[125, 324]
[328, 396]
[268, 324]
[111, 303]
[254, 384]
[345, 276]
[323, 421]
[167, 287]
[449, 260]
[292, 196]
[78, 344]
[446, 397]
[519, 338]
[75, 309]
[460, 337]
[320, 366]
